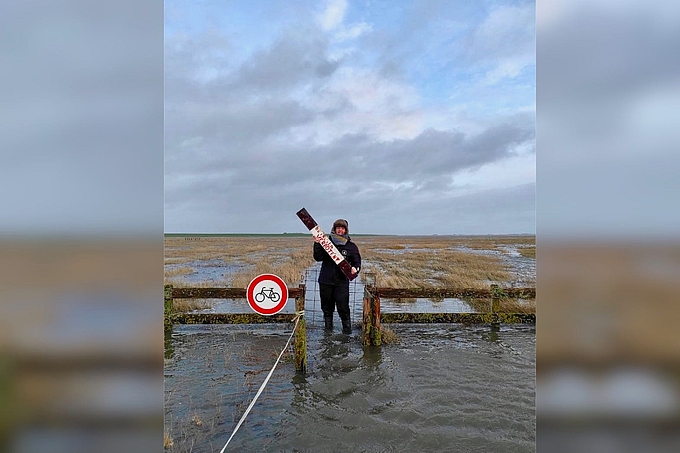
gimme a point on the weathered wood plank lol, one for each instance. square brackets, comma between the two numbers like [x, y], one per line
[229, 318]
[301, 334]
[220, 293]
[463, 318]
[397, 293]
[385, 293]
[371, 317]
[366, 318]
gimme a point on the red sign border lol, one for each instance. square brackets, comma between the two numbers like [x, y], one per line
[251, 297]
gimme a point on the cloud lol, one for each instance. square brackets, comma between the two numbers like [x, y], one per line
[504, 41]
[421, 166]
[296, 56]
[333, 15]
[352, 32]
[313, 119]
[361, 101]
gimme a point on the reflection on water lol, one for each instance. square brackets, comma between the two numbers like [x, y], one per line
[444, 387]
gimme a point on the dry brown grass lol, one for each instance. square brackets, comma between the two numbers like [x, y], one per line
[387, 336]
[396, 261]
[185, 305]
[480, 305]
[427, 263]
[183, 284]
[505, 305]
[515, 306]
[289, 268]
[527, 252]
[167, 440]
[183, 270]
[286, 257]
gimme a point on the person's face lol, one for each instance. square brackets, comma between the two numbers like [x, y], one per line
[340, 230]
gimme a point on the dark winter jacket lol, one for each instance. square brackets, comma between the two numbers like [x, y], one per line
[330, 272]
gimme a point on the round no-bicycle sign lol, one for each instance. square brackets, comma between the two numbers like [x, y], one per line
[267, 294]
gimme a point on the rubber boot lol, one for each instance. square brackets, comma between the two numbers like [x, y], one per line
[346, 326]
[328, 322]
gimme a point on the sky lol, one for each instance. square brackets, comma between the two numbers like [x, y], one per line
[403, 117]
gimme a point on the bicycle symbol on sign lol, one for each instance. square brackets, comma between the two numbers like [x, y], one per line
[271, 294]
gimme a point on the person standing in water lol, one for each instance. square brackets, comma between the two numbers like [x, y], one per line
[333, 283]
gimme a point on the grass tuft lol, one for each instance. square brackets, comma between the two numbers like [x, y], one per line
[388, 336]
[187, 305]
[167, 440]
[527, 252]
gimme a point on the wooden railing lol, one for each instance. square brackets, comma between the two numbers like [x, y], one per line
[298, 294]
[372, 317]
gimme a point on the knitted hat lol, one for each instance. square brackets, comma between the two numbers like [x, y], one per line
[342, 223]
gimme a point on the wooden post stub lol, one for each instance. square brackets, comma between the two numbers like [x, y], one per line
[301, 334]
[167, 295]
[495, 301]
[376, 336]
[366, 318]
[371, 318]
[495, 305]
[167, 307]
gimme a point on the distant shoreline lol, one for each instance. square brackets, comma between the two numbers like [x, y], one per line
[354, 235]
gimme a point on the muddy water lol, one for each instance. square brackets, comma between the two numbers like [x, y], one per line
[443, 387]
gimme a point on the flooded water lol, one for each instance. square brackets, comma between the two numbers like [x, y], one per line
[443, 387]
[208, 271]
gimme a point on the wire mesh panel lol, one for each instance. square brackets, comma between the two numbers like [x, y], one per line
[313, 312]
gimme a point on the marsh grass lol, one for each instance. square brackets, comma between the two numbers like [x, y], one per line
[388, 336]
[480, 305]
[516, 306]
[167, 440]
[286, 257]
[434, 268]
[395, 261]
[527, 252]
[186, 305]
[505, 305]
[174, 272]
[184, 284]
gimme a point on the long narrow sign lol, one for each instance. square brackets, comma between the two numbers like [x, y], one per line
[326, 243]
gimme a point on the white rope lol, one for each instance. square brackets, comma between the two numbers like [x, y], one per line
[298, 315]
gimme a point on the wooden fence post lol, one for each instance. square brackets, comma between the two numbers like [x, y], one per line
[301, 334]
[371, 319]
[495, 305]
[375, 318]
[167, 307]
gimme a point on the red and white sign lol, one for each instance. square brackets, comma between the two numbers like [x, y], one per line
[326, 244]
[267, 294]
